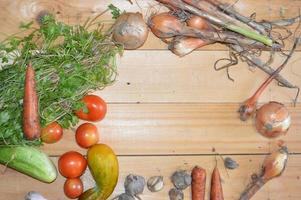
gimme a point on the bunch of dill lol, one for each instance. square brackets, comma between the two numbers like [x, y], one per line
[69, 61]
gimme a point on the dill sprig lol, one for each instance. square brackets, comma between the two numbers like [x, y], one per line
[69, 62]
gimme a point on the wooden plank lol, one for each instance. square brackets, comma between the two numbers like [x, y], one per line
[156, 129]
[73, 11]
[159, 76]
[14, 185]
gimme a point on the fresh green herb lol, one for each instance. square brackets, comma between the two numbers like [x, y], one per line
[116, 12]
[69, 62]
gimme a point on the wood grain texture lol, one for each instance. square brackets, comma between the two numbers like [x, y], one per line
[167, 113]
[152, 76]
[285, 187]
[154, 129]
[75, 11]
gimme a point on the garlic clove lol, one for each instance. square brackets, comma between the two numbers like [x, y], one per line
[155, 183]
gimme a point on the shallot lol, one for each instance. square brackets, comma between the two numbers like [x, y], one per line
[273, 166]
[198, 23]
[182, 45]
[248, 108]
[166, 25]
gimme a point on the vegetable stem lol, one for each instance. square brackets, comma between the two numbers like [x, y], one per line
[196, 7]
[249, 106]
[251, 191]
[251, 34]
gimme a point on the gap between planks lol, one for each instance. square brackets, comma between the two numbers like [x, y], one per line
[191, 155]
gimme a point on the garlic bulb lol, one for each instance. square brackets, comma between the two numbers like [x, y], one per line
[155, 183]
[181, 179]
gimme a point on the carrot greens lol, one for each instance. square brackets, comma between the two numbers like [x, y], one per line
[69, 61]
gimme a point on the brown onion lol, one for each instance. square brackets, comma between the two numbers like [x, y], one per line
[198, 22]
[272, 120]
[165, 25]
[130, 30]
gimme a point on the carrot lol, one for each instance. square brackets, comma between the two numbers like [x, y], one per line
[31, 121]
[198, 183]
[216, 192]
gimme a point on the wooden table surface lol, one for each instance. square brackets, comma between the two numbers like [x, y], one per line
[167, 113]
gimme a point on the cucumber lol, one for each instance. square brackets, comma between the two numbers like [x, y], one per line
[30, 161]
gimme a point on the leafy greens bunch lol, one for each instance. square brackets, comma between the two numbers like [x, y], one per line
[69, 61]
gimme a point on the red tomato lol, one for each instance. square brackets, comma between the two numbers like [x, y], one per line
[97, 108]
[52, 133]
[72, 164]
[86, 135]
[73, 188]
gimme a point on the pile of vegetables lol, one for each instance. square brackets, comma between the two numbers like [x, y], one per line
[47, 74]
[69, 61]
[190, 25]
[45, 78]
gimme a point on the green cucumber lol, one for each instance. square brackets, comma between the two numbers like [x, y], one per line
[30, 161]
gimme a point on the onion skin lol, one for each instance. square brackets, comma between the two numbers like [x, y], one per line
[130, 30]
[272, 120]
[165, 25]
[198, 23]
[182, 46]
[273, 166]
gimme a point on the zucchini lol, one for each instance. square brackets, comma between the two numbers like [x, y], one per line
[30, 161]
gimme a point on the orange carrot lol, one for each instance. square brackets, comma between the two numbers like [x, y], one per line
[216, 192]
[198, 184]
[31, 121]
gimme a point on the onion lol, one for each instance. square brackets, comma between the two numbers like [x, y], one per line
[272, 120]
[165, 25]
[275, 163]
[198, 23]
[248, 108]
[273, 166]
[182, 46]
[130, 30]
